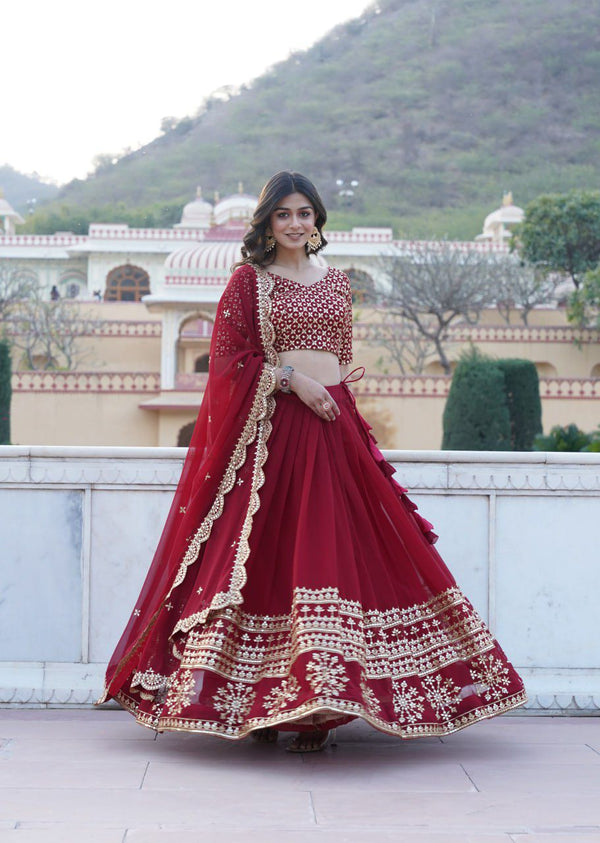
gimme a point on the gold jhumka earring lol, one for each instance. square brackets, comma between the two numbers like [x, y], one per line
[315, 241]
[269, 243]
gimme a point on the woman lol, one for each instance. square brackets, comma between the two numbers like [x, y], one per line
[295, 587]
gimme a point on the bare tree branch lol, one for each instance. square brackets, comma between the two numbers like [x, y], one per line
[435, 286]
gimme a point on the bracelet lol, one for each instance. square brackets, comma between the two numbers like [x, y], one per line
[285, 380]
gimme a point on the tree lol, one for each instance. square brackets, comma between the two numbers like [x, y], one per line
[5, 392]
[522, 287]
[16, 286]
[49, 332]
[584, 304]
[436, 286]
[561, 233]
[404, 343]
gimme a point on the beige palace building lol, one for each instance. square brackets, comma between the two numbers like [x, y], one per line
[148, 297]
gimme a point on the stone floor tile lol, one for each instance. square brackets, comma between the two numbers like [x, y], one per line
[60, 773]
[562, 779]
[109, 750]
[331, 770]
[62, 834]
[305, 836]
[515, 752]
[459, 812]
[136, 808]
[568, 837]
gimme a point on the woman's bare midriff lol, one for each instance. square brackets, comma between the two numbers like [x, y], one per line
[321, 366]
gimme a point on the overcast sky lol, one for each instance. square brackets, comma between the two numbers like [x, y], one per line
[82, 78]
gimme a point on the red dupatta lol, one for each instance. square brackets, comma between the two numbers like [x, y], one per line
[218, 490]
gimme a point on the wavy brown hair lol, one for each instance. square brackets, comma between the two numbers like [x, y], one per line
[279, 186]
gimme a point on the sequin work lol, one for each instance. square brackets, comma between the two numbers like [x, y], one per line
[316, 317]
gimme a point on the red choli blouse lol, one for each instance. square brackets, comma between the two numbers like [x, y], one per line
[316, 316]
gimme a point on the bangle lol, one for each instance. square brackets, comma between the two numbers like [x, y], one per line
[285, 380]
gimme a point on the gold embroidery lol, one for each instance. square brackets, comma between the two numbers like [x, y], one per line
[256, 429]
[326, 674]
[407, 702]
[369, 697]
[490, 672]
[182, 510]
[418, 640]
[181, 690]
[442, 694]
[233, 702]
[288, 691]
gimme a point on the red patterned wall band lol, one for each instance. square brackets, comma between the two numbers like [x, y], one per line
[92, 382]
[390, 386]
[367, 332]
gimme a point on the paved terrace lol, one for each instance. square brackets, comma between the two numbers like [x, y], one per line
[96, 776]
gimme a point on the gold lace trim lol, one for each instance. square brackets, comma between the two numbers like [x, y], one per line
[323, 705]
[257, 429]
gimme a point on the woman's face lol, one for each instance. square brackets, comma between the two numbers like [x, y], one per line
[292, 222]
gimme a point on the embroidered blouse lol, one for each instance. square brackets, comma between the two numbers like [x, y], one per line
[316, 316]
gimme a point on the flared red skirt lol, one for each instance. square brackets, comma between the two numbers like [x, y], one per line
[348, 610]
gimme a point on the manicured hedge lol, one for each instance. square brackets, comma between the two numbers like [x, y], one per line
[476, 416]
[522, 389]
[5, 393]
[493, 405]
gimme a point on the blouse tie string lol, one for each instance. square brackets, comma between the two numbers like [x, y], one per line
[350, 379]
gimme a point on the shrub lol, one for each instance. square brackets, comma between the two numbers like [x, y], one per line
[5, 393]
[567, 438]
[522, 389]
[476, 415]
[493, 405]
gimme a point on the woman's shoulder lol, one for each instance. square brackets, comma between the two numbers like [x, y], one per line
[243, 272]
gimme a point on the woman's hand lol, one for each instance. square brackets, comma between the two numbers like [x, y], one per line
[315, 396]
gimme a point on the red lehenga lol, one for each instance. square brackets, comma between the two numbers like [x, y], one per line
[294, 584]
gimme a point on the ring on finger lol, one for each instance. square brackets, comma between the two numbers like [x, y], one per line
[326, 405]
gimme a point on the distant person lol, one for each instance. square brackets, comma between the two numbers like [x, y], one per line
[98, 295]
[295, 587]
[54, 294]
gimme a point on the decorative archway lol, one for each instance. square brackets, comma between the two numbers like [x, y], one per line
[184, 437]
[71, 283]
[545, 369]
[127, 283]
[595, 373]
[201, 363]
[362, 285]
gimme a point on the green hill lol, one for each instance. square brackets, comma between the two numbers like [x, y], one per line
[431, 106]
[21, 189]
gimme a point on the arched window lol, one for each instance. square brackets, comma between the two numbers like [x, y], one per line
[201, 363]
[595, 373]
[127, 283]
[71, 283]
[362, 285]
[546, 370]
[184, 437]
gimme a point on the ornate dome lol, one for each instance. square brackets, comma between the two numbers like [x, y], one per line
[497, 225]
[201, 264]
[197, 214]
[239, 207]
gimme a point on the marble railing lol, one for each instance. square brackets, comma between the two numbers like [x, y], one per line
[78, 528]
[370, 332]
[59, 382]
